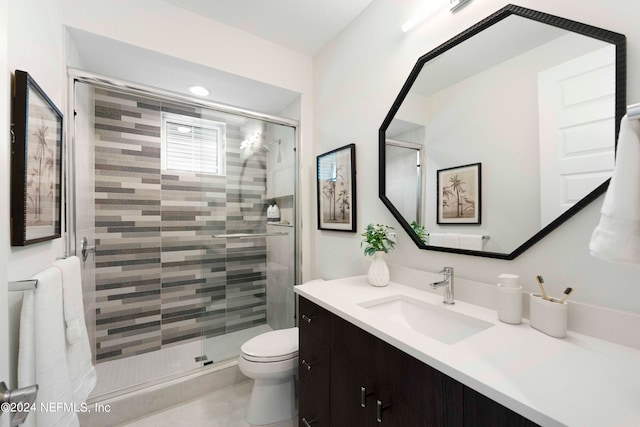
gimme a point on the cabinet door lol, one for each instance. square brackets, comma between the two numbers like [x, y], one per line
[390, 411]
[479, 410]
[435, 397]
[353, 395]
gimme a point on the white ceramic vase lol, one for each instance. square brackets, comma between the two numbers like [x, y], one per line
[378, 270]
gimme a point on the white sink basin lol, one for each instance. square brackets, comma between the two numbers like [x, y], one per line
[428, 319]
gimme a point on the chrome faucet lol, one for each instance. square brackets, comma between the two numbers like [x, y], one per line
[448, 282]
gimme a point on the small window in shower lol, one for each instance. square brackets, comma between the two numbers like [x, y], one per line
[191, 144]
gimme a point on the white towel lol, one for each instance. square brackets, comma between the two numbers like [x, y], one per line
[436, 239]
[452, 240]
[471, 242]
[444, 240]
[72, 297]
[617, 236]
[82, 373]
[42, 356]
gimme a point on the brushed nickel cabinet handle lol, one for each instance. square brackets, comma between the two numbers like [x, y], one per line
[363, 396]
[307, 423]
[307, 365]
[307, 318]
[379, 408]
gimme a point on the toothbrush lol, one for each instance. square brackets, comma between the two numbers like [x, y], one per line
[567, 292]
[541, 285]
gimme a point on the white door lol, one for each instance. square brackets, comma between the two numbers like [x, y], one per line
[576, 102]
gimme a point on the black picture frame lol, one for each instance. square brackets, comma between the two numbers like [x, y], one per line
[336, 189]
[36, 164]
[459, 191]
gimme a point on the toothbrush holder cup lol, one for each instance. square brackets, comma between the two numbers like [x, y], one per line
[549, 317]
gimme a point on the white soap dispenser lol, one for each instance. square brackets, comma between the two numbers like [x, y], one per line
[276, 213]
[509, 299]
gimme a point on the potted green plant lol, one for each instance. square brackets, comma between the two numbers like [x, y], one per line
[420, 231]
[378, 240]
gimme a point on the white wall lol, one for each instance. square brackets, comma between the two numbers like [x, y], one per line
[357, 78]
[144, 23]
[5, 84]
[35, 45]
[35, 33]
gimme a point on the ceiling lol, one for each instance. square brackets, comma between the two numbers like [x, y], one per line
[131, 63]
[305, 26]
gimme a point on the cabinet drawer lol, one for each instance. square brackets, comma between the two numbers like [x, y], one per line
[314, 320]
[312, 411]
[479, 410]
[354, 344]
[314, 365]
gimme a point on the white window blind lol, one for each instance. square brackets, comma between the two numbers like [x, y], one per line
[193, 145]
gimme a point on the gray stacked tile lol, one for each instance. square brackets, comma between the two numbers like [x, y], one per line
[161, 279]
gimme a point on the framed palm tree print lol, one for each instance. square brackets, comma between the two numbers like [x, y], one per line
[459, 195]
[336, 172]
[36, 164]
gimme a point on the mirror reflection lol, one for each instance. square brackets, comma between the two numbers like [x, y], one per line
[533, 104]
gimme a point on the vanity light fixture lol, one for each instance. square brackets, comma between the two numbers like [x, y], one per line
[428, 12]
[199, 90]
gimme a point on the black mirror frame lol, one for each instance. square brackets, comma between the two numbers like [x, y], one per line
[619, 40]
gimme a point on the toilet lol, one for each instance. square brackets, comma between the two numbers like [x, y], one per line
[271, 359]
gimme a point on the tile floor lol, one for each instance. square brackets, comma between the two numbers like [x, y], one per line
[223, 408]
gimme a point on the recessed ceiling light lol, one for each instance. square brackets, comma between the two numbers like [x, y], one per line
[184, 129]
[199, 90]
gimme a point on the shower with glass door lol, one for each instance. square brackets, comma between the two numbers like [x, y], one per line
[170, 196]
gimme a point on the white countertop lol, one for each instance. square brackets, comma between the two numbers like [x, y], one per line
[575, 381]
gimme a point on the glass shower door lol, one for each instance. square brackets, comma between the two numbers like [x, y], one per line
[259, 239]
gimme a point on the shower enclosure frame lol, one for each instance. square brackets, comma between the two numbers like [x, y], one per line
[72, 243]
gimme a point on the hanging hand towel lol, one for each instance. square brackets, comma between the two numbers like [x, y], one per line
[471, 242]
[72, 297]
[82, 373]
[617, 236]
[437, 239]
[452, 240]
[42, 357]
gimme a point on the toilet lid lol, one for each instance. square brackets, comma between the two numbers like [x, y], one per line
[272, 346]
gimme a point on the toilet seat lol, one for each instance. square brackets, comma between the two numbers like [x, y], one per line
[274, 346]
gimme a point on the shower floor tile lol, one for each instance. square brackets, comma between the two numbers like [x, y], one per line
[223, 408]
[121, 374]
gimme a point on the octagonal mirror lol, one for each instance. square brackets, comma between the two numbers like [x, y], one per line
[502, 133]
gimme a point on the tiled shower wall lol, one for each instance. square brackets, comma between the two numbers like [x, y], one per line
[161, 279]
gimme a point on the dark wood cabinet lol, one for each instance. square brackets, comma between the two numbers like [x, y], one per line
[479, 410]
[314, 364]
[359, 380]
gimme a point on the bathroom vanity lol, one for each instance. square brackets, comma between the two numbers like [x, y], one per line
[364, 360]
